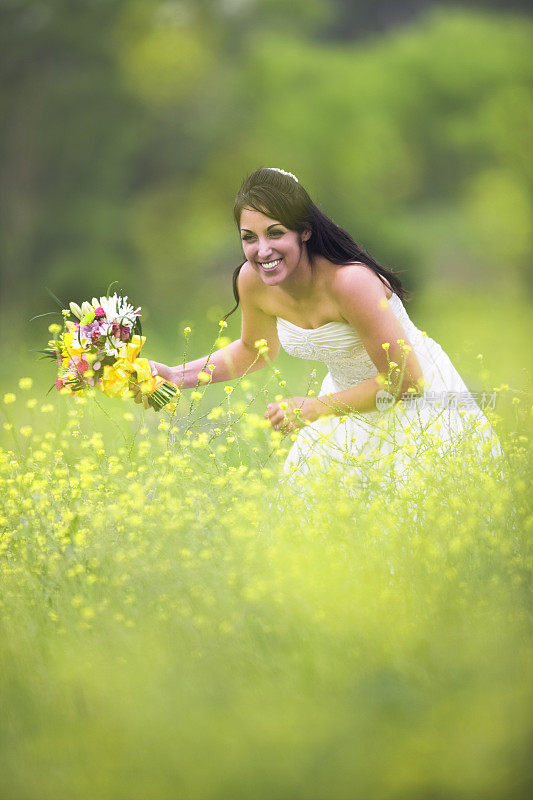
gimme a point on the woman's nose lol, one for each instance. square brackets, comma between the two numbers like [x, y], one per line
[264, 249]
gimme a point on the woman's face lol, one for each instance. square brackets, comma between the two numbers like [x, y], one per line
[272, 249]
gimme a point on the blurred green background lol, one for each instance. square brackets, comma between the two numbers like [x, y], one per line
[128, 125]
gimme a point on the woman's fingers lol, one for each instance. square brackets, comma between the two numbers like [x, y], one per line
[276, 417]
[286, 419]
[273, 413]
[163, 370]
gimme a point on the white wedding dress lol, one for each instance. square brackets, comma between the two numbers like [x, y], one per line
[396, 438]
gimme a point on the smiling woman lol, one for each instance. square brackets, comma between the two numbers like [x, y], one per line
[307, 286]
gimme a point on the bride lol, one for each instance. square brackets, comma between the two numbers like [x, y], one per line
[305, 285]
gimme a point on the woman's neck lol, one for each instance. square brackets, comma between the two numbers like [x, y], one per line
[302, 284]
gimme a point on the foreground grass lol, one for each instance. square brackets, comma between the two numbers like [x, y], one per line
[176, 622]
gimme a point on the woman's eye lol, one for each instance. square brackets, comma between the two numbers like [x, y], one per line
[249, 237]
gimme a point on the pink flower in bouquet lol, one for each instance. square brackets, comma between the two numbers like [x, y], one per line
[59, 384]
[82, 366]
[99, 312]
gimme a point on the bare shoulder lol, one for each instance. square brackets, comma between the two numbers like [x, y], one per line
[252, 292]
[250, 284]
[357, 285]
[255, 322]
[248, 276]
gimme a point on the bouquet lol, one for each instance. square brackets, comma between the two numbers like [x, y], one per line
[101, 350]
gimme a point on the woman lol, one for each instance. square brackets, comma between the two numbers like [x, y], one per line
[307, 286]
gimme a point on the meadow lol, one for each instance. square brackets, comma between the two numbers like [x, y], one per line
[177, 621]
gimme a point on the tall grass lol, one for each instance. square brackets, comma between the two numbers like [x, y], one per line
[178, 622]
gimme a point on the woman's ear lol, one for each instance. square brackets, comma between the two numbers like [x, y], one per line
[306, 235]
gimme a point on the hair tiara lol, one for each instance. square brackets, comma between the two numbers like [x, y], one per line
[283, 172]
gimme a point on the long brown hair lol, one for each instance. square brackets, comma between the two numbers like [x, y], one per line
[281, 197]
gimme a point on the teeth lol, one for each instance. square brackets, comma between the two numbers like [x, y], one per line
[270, 264]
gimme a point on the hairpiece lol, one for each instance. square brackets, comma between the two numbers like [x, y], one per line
[283, 172]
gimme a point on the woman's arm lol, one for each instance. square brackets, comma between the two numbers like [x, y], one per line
[239, 357]
[363, 303]
[225, 364]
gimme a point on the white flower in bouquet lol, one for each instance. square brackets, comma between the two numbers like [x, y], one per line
[117, 309]
[112, 342]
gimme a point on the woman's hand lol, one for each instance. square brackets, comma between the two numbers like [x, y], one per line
[172, 374]
[293, 413]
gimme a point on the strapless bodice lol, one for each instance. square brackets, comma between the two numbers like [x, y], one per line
[339, 346]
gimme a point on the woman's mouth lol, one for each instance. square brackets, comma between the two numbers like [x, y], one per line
[269, 266]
